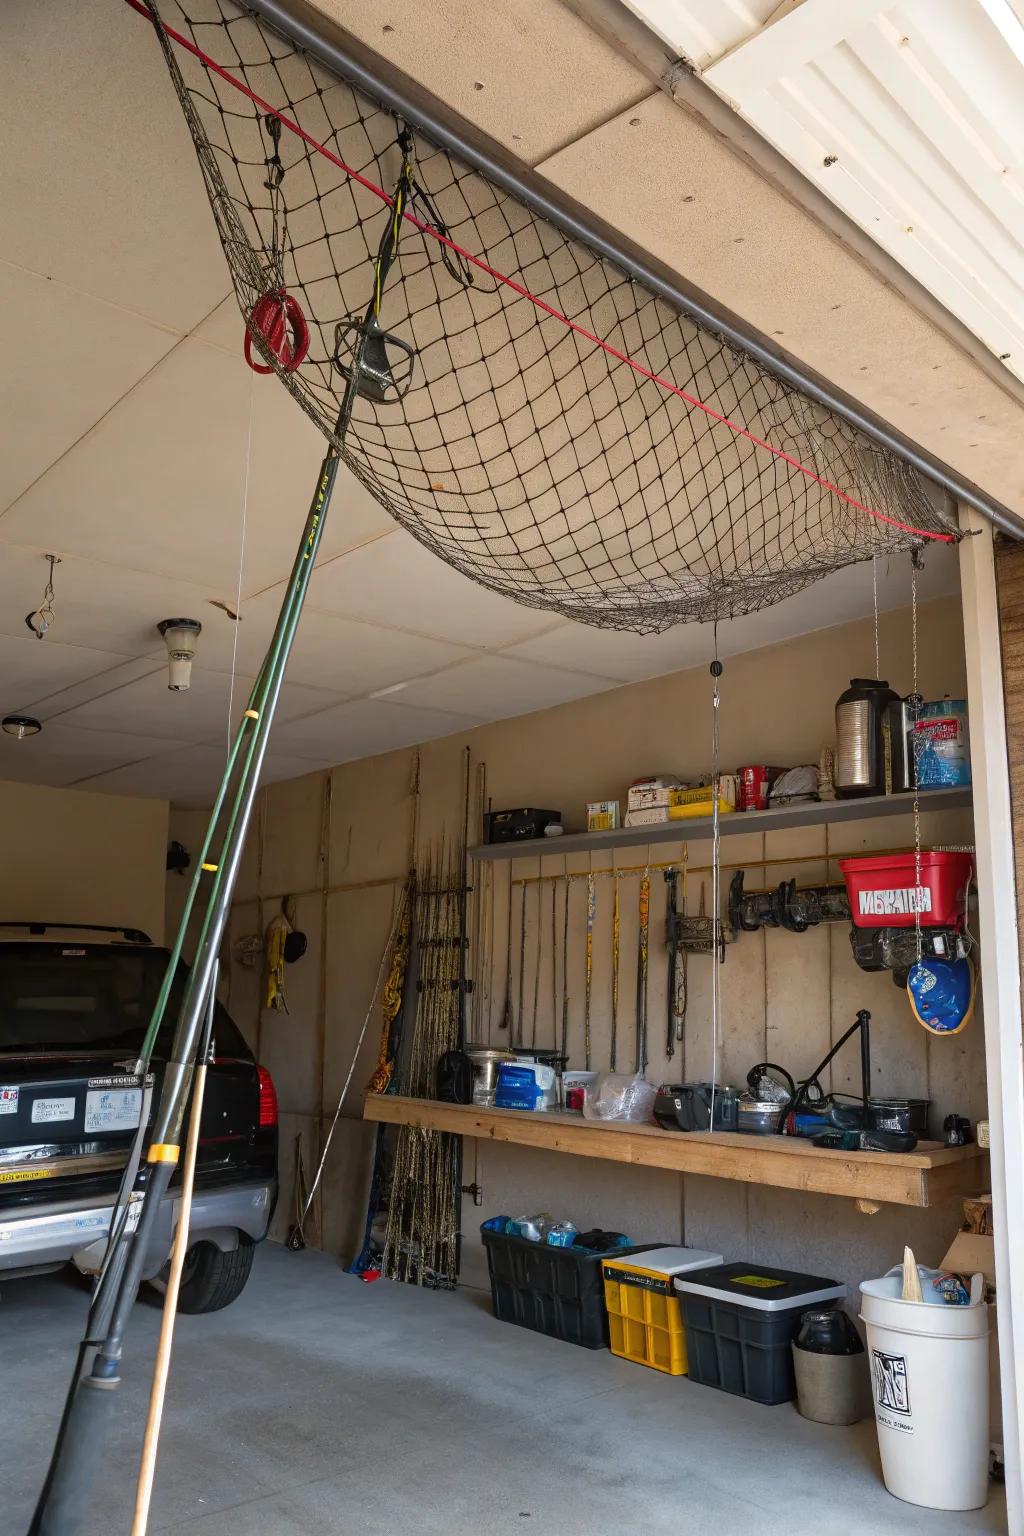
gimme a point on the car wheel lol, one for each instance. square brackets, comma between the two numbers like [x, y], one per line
[211, 1279]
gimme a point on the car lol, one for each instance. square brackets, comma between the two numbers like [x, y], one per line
[75, 1002]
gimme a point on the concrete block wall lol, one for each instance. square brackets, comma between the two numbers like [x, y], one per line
[340, 843]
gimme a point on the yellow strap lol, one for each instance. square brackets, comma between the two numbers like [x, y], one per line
[251, 714]
[163, 1152]
[211, 868]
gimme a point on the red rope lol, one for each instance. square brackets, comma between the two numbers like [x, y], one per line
[541, 304]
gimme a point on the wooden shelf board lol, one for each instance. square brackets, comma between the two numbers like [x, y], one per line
[816, 813]
[924, 1177]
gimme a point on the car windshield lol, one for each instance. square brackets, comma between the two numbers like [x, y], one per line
[88, 997]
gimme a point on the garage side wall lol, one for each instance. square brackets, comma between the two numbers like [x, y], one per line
[74, 857]
[340, 843]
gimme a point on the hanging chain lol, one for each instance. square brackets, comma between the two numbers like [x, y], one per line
[915, 559]
[716, 875]
[874, 585]
[278, 208]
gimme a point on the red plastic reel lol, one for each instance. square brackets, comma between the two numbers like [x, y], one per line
[279, 320]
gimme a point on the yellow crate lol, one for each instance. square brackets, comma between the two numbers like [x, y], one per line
[645, 1319]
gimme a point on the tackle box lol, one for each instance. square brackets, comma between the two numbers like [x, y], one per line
[645, 1319]
[557, 1291]
[740, 1321]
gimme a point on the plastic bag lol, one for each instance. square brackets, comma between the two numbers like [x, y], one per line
[620, 1096]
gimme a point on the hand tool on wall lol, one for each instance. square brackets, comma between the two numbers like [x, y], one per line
[565, 972]
[506, 1016]
[641, 973]
[518, 1032]
[591, 911]
[536, 974]
[615, 974]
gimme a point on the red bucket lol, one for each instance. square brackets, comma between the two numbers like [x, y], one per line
[884, 893]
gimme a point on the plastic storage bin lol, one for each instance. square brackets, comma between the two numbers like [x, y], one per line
[557, 1291]
[884, 892]
[645, 1319]
[930, 1383]
[740, 1321]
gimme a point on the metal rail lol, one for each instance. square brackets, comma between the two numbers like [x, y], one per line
[346, 57]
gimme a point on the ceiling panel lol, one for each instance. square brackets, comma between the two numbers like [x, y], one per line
[54, 337]
[159, 484]
[493, 687]
[397, 581]
[101, 188]
[203, 713]
[702, 30]
[62, 754]
[367, 726]
[345, 655]
[479, 61]
[190, 777]
[31, 669]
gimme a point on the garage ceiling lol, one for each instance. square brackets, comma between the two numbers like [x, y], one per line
[137, 445]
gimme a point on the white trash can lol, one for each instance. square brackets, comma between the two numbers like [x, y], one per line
[929, 1381]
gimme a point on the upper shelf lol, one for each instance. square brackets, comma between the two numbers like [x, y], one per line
[815, 813]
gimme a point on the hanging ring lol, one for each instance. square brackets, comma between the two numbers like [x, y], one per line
[277, 319]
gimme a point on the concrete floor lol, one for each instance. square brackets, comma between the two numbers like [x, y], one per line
[319, 1405]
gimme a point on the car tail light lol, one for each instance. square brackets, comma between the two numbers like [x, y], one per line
[268, 1098]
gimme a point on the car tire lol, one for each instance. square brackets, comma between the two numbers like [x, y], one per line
[212, 1279]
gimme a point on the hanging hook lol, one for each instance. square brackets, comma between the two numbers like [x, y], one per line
[275, 169]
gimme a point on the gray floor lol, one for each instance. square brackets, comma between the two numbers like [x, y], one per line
[320, 1405]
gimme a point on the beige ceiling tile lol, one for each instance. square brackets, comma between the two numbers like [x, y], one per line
[159, 484]
[32, 669]
[223, 328]
[110, 608]
[67, 358]
[63, 754]
[365, 727]
[190, 777]
[106, 681]
[207, 710]
[91, 117]
[398, 581]
[341, 654]
[529, 73]
[493, 687]
[680, 193]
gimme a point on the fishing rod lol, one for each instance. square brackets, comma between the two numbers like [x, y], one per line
[62, 1506]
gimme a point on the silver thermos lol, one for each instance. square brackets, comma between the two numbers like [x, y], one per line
[861, 713]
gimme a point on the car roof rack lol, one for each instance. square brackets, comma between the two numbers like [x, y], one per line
[131, 935]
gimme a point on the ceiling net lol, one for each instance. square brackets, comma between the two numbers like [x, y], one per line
[535, 416]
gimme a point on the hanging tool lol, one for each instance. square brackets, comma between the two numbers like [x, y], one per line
[506, 1020]
[518, 1030]
[615, 974]
[641, 973]
[591, 910]
[676, 966]
[565, 972]
[536, 974]
[554, 958]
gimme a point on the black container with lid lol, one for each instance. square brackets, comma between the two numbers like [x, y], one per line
[861, 714]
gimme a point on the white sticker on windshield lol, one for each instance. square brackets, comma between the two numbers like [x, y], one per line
[46, 1110]
[113, 1109]
[8, 1101]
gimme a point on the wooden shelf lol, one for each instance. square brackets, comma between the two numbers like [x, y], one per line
[927, 1176]
[816, 813]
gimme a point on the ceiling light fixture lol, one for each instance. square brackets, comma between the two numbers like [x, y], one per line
[42, 618]
[21, 726]
[180, 638]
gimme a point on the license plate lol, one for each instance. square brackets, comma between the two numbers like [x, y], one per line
[44, 1111]
[113, 1109]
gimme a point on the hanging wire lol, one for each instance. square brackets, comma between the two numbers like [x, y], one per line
[243, 535]
[716, 875]
[915, 558]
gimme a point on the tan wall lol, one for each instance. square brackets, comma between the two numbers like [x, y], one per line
[785, 997]
[69, 856]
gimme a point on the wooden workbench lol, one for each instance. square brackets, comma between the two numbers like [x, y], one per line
[927, 1176]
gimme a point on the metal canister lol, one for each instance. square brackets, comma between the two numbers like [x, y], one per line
[860, 754]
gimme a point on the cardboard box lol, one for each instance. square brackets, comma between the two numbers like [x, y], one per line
[602, 815]
[970, 1254]
[655, 816]
[652, 794]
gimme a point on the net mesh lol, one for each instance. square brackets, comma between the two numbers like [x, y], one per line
[535, 416]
